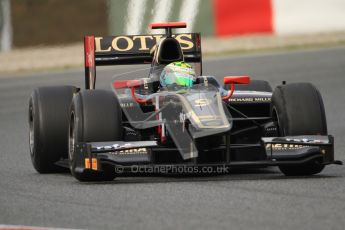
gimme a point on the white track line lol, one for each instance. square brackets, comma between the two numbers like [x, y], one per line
[135, 15]
[22, 227]
[188, 12]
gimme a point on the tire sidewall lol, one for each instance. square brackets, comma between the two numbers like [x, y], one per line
[48, 121]
[75, 129]
[34, 137]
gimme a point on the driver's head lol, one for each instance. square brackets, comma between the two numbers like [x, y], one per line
[177, 73]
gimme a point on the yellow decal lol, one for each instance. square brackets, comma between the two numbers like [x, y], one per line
[185, 41]
[129, 41]
[94, 164]
[201, 102]
[139, 42]
[142, 41]
[157, 38]
[87, 163]
[98, 47]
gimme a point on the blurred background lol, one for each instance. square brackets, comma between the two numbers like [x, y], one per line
[48, 34]
[49, 22]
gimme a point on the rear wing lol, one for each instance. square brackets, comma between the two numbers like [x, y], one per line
[131, 49]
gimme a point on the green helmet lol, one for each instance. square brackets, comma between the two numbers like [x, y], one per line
[178, 73]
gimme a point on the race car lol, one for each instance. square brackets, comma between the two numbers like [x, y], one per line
[171, 115]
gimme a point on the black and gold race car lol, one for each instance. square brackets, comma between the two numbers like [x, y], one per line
[140, 125]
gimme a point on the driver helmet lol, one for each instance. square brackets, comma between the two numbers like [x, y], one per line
[177, 73]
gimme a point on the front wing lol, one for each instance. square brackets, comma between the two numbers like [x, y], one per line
[290, 150]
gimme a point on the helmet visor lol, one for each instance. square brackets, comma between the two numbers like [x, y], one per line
[184, 79]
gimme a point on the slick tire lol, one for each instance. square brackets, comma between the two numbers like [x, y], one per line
[254, 85]
[298, 110]
[95, 116]
[48, 126]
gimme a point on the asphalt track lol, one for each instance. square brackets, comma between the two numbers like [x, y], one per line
[255, 199]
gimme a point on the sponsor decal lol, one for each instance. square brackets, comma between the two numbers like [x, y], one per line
[146, 85]
[250, 99]
[135, 151]
[127, 105]
[114, 146]
[304, 140]
[201, 102]
[185, 116]
[282, 147]
[138, 43]
[271, 129]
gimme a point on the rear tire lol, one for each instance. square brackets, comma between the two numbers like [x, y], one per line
[48, 126]
[95, 116]
[298, 110]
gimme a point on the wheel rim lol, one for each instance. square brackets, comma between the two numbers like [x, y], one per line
[275, 118]
[31, 130]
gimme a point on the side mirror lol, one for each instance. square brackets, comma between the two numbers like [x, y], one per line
[132, 84]
[236, 80]
[120, 84]
[232, 80]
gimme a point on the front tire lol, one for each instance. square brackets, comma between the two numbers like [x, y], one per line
[48, 126]
[95, 116]
[298, 110]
